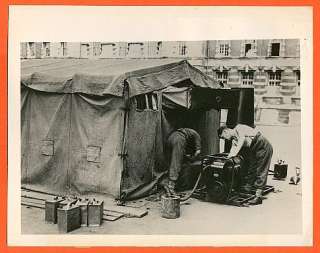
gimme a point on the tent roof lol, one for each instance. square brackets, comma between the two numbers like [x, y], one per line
[107, 76]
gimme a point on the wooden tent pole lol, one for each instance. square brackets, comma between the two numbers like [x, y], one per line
[69, 142]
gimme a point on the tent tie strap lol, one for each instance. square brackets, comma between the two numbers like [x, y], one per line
[123, 155]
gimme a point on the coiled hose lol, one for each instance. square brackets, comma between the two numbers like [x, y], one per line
[188, 196]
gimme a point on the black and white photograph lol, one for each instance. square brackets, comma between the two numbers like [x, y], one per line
[174, 136]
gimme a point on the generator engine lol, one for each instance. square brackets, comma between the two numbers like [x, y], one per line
[221, 176]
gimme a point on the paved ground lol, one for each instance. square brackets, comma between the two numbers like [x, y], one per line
[279, 214]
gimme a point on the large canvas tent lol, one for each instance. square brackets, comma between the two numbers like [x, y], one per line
[101, 125]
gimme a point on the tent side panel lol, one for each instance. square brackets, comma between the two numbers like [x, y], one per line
[44, 131]
[25, 108]
[96, 138]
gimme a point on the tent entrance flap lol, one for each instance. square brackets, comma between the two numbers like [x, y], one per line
[143, 142]
[174, 97]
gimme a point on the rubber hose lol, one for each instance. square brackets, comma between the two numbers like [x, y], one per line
[188, 196]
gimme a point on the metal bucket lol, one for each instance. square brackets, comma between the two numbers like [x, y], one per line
[170, 207]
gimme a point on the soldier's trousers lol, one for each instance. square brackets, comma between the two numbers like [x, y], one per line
[175, 151]
[259, 161]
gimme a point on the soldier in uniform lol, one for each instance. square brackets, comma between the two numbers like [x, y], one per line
[258, 157]
[181, 144]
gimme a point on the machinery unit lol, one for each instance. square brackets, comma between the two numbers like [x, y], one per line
[221, 176]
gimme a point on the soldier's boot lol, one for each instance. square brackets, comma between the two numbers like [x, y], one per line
[172, 188]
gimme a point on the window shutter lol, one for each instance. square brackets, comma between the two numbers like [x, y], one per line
[298, 49]
[217, 48]
[282, 48]
[254, 45]
[243, 43]
[269, 47]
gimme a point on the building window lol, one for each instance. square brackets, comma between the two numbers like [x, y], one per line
[276, 48]
[85, 49]
[147, 102]
[96, 48]
[31, 49]
[108, 50]
[274, 78]
[223, 48]
[135, 49]
[46, 48]
[247, 78]
[298, 78]
[182, 48]
[63, 47]
[159, 46]
[222, 77]
[249, 48]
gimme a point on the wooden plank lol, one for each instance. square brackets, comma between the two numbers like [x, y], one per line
[128, 211]
[36, 195]
[114, 214]
[32, 202]
[32, 205]
[106, 217]
[33, 198]
[112, 218]
[38, 191]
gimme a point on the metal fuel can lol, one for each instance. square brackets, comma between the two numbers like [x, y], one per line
[68, 218]
[83, 204]
[95, 212]
[51, 206]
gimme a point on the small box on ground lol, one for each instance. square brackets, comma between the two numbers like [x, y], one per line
[95, 212]
[280, 171]
[51, 206]
[68, 218]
